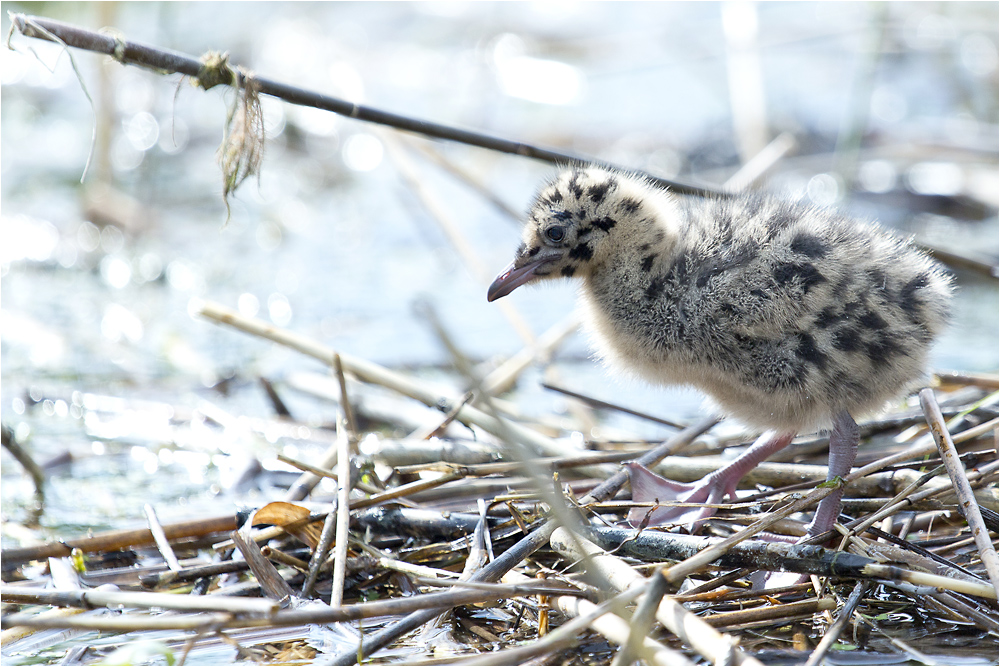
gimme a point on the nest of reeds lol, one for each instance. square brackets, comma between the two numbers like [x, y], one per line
[512, 547]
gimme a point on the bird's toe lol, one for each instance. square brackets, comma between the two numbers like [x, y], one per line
[689, 504]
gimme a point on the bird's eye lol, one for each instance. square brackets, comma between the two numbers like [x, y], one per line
[555, 234]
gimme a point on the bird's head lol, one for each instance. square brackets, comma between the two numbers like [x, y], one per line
[568, 227]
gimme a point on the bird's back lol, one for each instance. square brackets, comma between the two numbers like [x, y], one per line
[784, 313]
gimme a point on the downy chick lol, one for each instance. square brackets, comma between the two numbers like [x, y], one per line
[790, 317]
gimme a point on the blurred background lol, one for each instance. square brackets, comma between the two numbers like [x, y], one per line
[886, 109]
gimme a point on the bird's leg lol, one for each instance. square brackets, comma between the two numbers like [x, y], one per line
[711, 489]
[844, 439]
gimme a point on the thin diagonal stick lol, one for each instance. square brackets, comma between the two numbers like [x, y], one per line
[343, 517]
[833, 633]
[966, 500]
[134, 53]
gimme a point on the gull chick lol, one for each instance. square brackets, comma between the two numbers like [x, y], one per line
[789, 316]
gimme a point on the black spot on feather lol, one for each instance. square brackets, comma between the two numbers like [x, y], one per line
[655, 288]
[647, 263]
[872, 320]
[628, 205]
[805, 274]
[828, 317]
[807, 351]
[809, 245]
[908, 299]
[599, 192]
[847, 339]
[574, 184]
[582, 251]
[568, 271]
[604, 224]
[738, 257]
[881, 350]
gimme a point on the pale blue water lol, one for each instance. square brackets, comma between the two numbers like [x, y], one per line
[333, 245]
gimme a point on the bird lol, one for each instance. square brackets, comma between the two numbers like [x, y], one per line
[790, 317]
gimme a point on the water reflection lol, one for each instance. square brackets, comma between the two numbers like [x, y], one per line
[119, 324]
[534, 79]
[279, 309]
[27, 238]
[331, 245]
[362, 152]
[935, 178]
[248, 304]
[116, 271]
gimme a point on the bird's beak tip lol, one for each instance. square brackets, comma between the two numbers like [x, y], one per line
[499, 287]
[509, 280]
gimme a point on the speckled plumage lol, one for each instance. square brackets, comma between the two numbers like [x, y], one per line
[789, 316]
[785, 314]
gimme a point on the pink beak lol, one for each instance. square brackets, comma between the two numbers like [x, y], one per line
[514, 276]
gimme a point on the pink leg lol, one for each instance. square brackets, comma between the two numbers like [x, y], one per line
[844, 439]
[711, 489]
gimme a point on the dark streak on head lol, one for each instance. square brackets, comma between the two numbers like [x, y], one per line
[574, 184]
[582, 252]
[599, 192]
[628, 205]
[604, 224]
